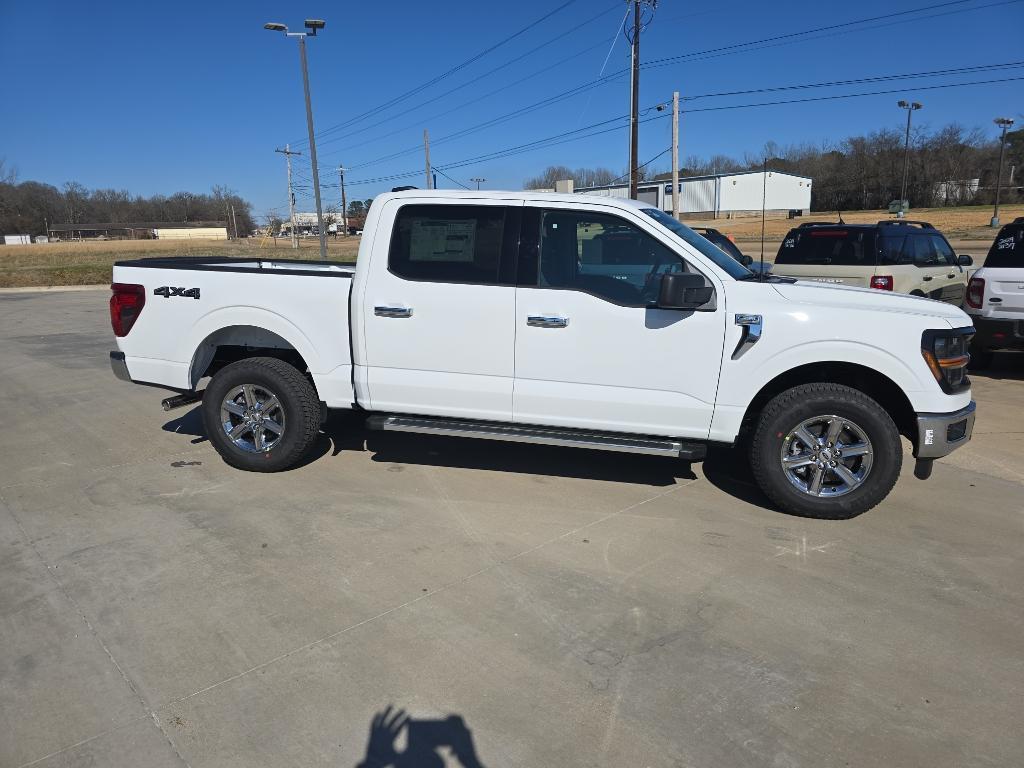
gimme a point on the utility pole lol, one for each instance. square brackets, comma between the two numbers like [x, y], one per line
[910, 107]
[478, 181]
[287, 152]
[344, 202]
[426, 154]
[1004, 123]
[634, 107]
[234, 221]
[675, 155]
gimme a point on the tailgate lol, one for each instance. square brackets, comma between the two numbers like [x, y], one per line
[858, 277]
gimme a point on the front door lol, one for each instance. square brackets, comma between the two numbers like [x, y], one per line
[591, 349]
[438, 320]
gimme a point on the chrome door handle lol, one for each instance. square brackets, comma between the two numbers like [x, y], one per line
[547, 321]
[392, 311]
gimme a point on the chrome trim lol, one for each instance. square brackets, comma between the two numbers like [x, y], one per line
[392, 311]
[547, 321]
[826, 456]
[119, 366]
[253, 410]
[539, 435]
[752, 326]
[931, 432]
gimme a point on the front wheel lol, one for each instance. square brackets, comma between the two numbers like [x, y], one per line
[261, 414]
[826, 451]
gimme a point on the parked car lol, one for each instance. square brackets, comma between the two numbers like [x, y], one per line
[495, 315]
[725, 243]
[895, 255]
[995, 296]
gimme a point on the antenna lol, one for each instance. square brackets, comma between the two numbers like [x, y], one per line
[764, 203]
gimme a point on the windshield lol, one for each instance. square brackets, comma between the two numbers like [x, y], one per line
[721, 259]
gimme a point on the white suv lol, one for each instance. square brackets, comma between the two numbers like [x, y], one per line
[995, 296]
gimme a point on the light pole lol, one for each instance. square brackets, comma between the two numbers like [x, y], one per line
[910, 107]
[478, 181]
[312, 25]
[1004, 123]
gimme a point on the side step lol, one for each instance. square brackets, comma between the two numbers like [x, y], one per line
[516, 433]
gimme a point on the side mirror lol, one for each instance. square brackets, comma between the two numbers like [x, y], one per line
[964, 260]
[683, 290]
[745, 260]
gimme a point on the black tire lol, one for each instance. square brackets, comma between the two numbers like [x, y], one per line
[784, 413]
[980, 358]
[298, 402]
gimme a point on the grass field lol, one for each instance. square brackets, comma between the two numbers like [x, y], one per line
[965, 223]
[89, 263]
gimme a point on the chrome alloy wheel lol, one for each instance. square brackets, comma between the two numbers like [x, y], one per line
[826, 456]
[252, 417]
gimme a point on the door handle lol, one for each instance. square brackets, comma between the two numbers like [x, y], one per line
[393, 311]
[926, 277]
[547, 321]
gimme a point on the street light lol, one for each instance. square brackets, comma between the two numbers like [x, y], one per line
[910, 107]
[312, 25]
[1004, 123]
[478, 181]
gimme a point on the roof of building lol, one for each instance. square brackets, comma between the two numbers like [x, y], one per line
[136, 225]
[655, 182]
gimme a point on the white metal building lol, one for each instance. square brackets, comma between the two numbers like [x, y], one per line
[724, 195]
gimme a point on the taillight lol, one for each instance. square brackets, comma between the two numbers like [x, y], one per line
[976, 292]
[125, 306]
[882, 282]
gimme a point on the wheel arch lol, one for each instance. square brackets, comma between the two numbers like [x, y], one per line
[232, 343]
[871, 382]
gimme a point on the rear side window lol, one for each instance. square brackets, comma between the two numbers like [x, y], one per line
[448, 243]
[1008, 249]
[892, 251]
[836, 247]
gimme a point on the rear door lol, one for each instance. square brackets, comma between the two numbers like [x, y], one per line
[438, 309]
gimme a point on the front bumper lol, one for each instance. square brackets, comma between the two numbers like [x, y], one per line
[119, 366]
[997, 333]
[939, 434]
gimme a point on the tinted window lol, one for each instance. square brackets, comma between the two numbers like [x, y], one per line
[448, 243]
[602, 255]
[1008, 249]
[729, 265]
[724, 243]
[922, 252]
[943, 250]
[836, 247]
[891, 251]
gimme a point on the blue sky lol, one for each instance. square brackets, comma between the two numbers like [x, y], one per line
[161, 97]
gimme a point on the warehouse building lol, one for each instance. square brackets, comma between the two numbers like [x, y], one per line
[144, 230]
[724, 195]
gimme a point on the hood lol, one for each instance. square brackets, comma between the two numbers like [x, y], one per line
[872, 299]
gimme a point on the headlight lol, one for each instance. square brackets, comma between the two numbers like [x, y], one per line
[947, 358]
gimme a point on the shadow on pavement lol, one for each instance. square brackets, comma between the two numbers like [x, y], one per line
[1005, 365]
[425, 742]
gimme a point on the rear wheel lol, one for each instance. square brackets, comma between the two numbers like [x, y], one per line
[261, 414]
[825, 451]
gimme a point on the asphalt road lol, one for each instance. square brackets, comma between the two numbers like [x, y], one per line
[158, 608]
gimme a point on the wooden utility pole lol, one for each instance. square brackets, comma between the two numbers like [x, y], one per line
[287, 152]
[426, 154]
[634, 111]
[344, 202]
[675, 155]
[234, 221]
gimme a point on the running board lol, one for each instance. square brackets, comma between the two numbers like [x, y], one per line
[488, 430]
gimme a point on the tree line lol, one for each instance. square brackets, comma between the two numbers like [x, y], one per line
[29, 207]
[862, 172]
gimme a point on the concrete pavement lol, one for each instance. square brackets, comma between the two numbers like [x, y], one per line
[572, 608]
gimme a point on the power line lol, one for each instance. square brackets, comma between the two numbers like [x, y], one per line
[455, 69]
[454, 181]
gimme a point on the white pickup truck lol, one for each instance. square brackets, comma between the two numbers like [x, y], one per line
[560, 319]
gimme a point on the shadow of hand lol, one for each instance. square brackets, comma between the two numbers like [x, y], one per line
[384, 730]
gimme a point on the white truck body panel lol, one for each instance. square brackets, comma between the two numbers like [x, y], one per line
[466, 350]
